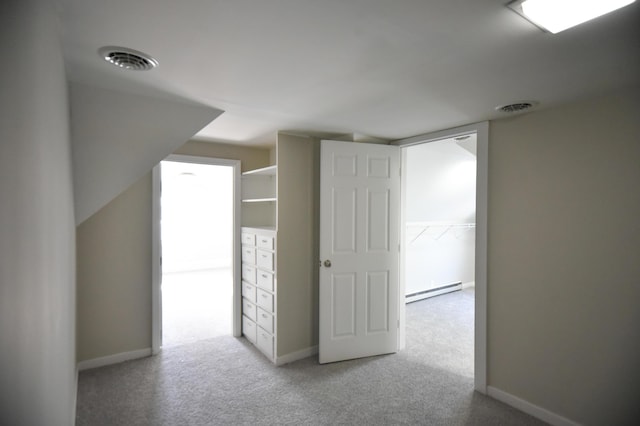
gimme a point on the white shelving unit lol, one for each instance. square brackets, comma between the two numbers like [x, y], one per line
[259, 197]
[279, 266]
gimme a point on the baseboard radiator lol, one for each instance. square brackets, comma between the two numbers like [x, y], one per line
[448, 288]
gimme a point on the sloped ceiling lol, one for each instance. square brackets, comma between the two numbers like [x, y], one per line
[117, 137]
[378, 68]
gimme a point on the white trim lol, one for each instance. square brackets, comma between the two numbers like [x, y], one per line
[529, 408]
[296, 356]
[113, 359]
[156, 266]
[156, 298]
[482, 142]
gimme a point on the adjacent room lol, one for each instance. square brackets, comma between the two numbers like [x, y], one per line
[197, 251]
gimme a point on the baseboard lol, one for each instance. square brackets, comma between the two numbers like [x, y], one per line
[448, 288]
[113, 359]
[468, 284]
[529, 408]
[296, 356]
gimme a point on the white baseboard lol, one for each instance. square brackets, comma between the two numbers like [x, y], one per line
[529, 408]
[296, 356]
[113, 359]
[468, 284]
[431, 293]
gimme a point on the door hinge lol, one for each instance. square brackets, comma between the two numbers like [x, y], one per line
[398, 323]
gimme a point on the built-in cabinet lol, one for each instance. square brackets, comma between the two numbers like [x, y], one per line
[259, 288]
[279, 262]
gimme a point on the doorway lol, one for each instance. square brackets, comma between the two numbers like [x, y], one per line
[439, 249]
[195, 241]
[481, 130]
[196, 236]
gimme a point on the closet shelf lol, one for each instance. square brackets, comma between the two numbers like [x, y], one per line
[265, 171]
[259, 200]
[443, 228]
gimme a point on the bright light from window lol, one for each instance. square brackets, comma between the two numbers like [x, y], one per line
[558, 15]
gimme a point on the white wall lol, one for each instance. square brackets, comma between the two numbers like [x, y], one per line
[118, 137]
[197, 216]
[564, 259]
[440, 191]
[37, 248]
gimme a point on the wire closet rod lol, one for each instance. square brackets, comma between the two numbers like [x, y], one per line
[447, 225]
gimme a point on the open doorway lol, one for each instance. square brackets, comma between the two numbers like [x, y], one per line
[196, 234]
[195, 241]
[439, 222]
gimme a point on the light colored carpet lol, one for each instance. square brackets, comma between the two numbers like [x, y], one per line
[226, 381]
[196, 305]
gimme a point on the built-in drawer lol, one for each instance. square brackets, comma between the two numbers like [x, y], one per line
[249, 273]
[265, 280]
[265, 259]
[249, 292]
[249, 329]
[264, 342]
[265, 300]
[248, 238]
[249, 309]
[265, 320]
[264, 242]
[249, 254]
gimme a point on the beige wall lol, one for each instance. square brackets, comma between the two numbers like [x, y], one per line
[298, 160]
[114, 262]
[37, 227]
[564, 259]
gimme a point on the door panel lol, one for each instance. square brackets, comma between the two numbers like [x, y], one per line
[359, 231]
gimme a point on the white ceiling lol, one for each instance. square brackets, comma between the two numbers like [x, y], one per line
[375, 68]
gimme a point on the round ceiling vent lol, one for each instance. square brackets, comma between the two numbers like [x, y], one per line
[517, 106]
[127, 58]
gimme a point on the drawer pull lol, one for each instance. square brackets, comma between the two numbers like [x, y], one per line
[265, 296]
[264, 315]
[264, 275]
[264, 256]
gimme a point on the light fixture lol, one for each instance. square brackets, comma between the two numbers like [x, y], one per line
[558, 15]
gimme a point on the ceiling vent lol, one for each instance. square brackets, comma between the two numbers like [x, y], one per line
[127, 58]
[517, 107]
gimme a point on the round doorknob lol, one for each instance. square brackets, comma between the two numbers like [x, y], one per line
[327, 263]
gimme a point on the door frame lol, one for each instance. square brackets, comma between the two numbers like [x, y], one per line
[482, 164]
[156, 247]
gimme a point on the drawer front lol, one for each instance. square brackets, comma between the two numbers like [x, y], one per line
[249, 292]
[265, 280]
[265, 343]
[265, 259]
[264, 242]
[249, 309]
[265, 300]
[249, 255]
[265, 320]
[249, 273]
[249, 329]
[248, 238]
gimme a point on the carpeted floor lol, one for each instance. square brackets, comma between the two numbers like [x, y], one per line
[196, 305]
[226, 381]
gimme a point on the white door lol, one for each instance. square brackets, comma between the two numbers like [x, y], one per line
[359, 250]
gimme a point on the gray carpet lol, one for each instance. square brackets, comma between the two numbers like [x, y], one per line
[225, 381]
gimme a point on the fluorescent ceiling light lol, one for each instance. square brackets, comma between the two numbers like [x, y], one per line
[558, 15]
